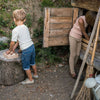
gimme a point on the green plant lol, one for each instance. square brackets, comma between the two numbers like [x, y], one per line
[28, 20]
[38, 32]
[12, 25]
[3, 45]
[47, 3]
[3, 23]
[45, 55]
[56, 3]
[5, 1]
[2, 32]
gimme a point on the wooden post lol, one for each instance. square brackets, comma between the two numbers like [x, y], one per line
[46, 26]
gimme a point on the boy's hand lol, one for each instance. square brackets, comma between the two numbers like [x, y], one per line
[8, 52]
[11, 52]
[19, 51]
[13, 49]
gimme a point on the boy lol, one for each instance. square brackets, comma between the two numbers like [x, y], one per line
[21, 35]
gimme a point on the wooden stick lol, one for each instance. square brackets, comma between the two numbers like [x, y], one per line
[86, 53]
[95, 43]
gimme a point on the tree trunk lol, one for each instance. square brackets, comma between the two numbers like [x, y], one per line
[11, 71]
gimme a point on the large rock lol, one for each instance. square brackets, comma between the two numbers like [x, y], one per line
[4, 39]
[11, 71]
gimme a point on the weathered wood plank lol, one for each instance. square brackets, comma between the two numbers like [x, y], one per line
[90, 52]
[46, 27]
[57, 33]
[61, 20]
[85, 45]
[61, 12]
[86, 41]
[58, 41]
[60, 26]
[90, 5]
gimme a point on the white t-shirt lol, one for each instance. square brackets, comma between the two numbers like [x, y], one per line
[22, 34]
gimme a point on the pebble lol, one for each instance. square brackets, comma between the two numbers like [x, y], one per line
[60, 65]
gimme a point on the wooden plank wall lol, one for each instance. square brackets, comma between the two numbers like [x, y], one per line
[57, 25]
[92, 5]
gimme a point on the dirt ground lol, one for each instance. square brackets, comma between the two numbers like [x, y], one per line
[54, 83]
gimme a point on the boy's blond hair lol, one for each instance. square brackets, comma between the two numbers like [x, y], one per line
[19, 14]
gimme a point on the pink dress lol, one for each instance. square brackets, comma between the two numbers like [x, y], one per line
[76, 31]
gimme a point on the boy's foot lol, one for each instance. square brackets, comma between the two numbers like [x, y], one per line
[35, 76]
[27, 81]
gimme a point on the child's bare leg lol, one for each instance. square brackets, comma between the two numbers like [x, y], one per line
[28, 72]
[34, 69]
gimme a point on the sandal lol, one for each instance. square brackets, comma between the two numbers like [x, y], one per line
[74, 76]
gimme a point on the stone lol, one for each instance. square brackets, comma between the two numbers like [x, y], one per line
[11, 71]
[4, 39]
[60, 65]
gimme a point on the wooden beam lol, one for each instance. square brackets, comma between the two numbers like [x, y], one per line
[90, 5]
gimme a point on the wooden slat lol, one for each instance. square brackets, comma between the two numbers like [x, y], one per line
[59, 32]
[61, 12]
[86, 41]
[58, 41]
[85, 45]
[90, 52]
[75, 15]
[61, 20]
[60, 26]
[46, 27]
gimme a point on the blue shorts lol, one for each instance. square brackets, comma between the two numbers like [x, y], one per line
[28, 57]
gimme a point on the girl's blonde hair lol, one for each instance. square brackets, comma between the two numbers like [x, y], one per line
[19, 14]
